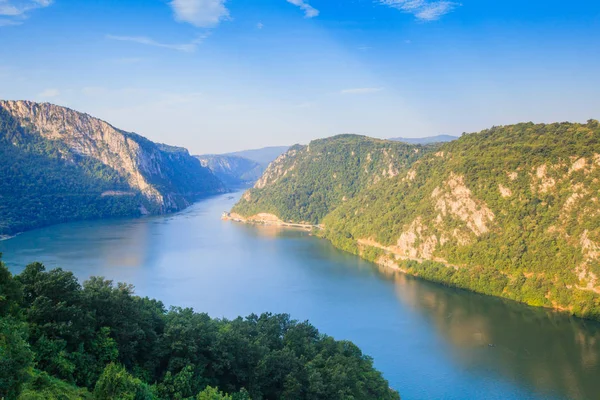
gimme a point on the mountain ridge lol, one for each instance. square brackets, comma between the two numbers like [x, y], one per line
[242, 168]
[72, 154]
[308, 181]
[426, 140]
[510, 211]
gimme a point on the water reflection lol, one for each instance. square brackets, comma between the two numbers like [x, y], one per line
[553, 353]
[430, 341]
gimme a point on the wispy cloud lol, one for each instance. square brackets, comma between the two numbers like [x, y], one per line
[309, 11]
[424, 10]
[185, 47]
[260, 25]
[200, 13]
[361, 90]
[49, 93]
[15, 12]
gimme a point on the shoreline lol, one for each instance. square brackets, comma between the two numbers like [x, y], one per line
[393, 266]
[267, 220]
[387, 261]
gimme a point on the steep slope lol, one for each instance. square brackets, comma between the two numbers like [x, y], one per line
[426, 140]
[234, 171]
[61, 165]
[512, 211]
[307, 182]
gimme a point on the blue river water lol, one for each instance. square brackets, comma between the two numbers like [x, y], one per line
[430, 342]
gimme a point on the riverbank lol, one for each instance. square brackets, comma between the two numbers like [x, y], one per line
[417, 332]
[267, 220]
[480, 279]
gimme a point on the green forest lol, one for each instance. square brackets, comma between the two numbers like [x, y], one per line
[60, 339]
[511, 211]
[313, 180]
[46, 182]
[41, 186]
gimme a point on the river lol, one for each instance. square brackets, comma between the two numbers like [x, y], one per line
[431, 342]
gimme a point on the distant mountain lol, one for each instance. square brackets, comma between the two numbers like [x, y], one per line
[242, 168]
[60, 165]
[426, 140]
[234, 171]
[262, 156]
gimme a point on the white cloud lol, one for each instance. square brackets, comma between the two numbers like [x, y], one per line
[49, 93]
[361, 90]
[425, 10]
[185, 47]
[260, 25]
[200, 13]
[16, 11]
[309, 11]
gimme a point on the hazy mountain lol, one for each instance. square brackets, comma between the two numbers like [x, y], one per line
[262, 156]
[242, 168]
[511, 211]
[234, 171]
[426, 140]
[61, 165]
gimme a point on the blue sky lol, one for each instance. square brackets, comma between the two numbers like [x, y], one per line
[217, 76]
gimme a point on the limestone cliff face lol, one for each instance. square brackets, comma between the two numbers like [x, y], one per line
[167, 176]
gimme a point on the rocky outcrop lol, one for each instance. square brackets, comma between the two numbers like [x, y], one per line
[168, 177]
[283, 165]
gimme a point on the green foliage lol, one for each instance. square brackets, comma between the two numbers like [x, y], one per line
[42, 386]
[16, 359]
[45, 182]
[533, 247]
[211, 393]
[10, 292]
[539, 183]
[101, 337]
[311, 181]
[116, 383]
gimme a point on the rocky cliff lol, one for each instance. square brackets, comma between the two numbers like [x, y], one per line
[511, 211]
[120, 163]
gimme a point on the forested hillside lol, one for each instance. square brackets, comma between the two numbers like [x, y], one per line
[308, 182]
[59, 165]
[511, 211]
[62, 340]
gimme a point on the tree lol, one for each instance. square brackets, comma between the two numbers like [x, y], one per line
[211, 393]
[16, 359]
[116, 383]
[10, 291]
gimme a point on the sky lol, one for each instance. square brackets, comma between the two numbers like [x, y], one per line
[224, 75]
